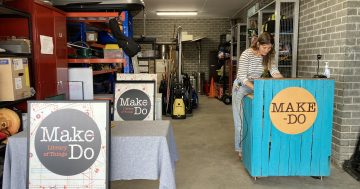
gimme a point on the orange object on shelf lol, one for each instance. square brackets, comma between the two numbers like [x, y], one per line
[212, 88]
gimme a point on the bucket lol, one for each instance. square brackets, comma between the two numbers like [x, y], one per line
[163, 51]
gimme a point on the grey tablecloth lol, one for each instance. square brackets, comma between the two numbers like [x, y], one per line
[139, 150]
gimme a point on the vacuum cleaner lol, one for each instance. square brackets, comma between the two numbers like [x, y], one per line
[178, 111]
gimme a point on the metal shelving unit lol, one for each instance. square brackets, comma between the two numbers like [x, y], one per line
[238, 40]
[7, 12]
[286, 36]
[280, 18]
[145, 42]
[238, 33]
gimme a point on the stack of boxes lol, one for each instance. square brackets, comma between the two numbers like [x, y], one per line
[113, 51]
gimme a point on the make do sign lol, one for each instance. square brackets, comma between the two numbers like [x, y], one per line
[293, 110]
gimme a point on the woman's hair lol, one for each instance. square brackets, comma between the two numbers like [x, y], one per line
[265, 39]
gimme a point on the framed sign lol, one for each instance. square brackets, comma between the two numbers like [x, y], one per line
[68, 144]
[134, 100]
[137, 77]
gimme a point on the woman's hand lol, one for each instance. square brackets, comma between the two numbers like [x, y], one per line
[278, 76]
[250, 85]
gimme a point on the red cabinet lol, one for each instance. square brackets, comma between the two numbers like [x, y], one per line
[45, 64]
[50, 74]
[61, 53]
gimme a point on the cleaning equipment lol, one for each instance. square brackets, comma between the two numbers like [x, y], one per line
[327, 70]
[178, 111]
[318, 57]
[188, 97]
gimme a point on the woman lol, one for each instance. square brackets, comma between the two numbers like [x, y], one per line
[254, 62]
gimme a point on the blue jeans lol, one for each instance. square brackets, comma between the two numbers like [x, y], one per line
[238, 93]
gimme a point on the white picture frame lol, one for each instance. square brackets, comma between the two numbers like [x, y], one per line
[134, 100]
[68, 144]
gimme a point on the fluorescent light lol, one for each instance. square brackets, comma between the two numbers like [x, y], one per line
[176, 13]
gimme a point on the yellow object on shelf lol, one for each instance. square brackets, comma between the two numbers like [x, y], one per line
[111, 46]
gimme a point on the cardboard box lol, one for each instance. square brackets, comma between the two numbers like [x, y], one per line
[143, 69]
[151, 66]
[113, 53]
[143, 63]
[186, 37]
[14, 79]
[160, 65]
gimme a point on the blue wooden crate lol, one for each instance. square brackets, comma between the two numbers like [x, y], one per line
[270, 152]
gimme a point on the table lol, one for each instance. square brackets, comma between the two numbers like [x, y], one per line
[139, 150]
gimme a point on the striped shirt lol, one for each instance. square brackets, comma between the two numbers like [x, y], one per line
[250, 67]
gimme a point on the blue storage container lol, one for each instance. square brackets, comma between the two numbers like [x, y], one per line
[106, 38]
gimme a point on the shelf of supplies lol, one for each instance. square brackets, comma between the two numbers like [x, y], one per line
[89, 21]
[96, 45]
[284, 33]
[96, 25]
[142, 58]
[12, 103]
[6, 12]
[7, 54]
[95, 60]
[91, 14]
[285, 53]
[104, 71]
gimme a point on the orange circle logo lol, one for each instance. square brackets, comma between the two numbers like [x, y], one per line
[293, 110]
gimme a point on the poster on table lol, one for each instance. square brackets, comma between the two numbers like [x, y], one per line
[134, 100]
[68, 144]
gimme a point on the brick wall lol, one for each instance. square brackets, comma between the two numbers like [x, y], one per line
[163, 30]
[331, 28]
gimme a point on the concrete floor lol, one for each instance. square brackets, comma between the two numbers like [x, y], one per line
[207, 159]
